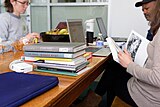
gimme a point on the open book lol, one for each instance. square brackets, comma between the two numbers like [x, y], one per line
[136, 45]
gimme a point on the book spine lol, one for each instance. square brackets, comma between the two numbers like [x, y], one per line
[49, 54]
[57, 72]
[54, 69]
[62, 66]
[48, 49]
[53, 49]
[41, 48]
[79, 48]
[69, 63]
[55, 59]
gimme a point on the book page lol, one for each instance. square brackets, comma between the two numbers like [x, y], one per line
[137, 46]
[114, 48]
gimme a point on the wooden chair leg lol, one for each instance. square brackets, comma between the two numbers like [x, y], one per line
[117, 102]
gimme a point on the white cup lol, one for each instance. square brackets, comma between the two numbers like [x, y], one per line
[90, 25]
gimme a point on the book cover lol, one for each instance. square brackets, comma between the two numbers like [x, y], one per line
[55, 47]
[54, 54]
[136, 44]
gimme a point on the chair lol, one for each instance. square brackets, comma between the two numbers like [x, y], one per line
[117, 102]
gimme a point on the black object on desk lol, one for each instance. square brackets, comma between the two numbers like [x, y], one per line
[17, 88]
[89, 37]
[54, 38]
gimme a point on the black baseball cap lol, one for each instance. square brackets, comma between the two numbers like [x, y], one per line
[138, 4]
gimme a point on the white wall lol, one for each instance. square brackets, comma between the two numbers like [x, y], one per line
[123, 16]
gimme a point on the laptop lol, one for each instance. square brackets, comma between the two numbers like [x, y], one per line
[103, 31]
[76, 31]
[102, 28]
[76, 34]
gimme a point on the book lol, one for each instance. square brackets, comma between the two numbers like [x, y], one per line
[75, 62]
[63, 66]
[54, 54]
[55, 47]
[136, 44]
[88, 55]
[63, 72]
[114, 48]
[52, 59]
[18, 88]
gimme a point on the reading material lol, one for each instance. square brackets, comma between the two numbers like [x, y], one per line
[136, 45]
[55, 47]
[54, 54]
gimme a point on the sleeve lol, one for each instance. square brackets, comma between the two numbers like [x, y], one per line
[152, 75]
[4, 26]
[4, 33]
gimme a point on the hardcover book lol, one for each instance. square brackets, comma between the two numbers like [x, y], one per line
[63, 66]
[54, 54]
[63, 72]
[74, 61]
[55, 47]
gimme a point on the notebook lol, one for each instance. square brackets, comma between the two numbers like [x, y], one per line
[18, 88]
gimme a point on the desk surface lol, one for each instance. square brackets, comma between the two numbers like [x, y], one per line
[68, 89]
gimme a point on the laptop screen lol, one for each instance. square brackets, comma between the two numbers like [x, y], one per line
[101, 27]
[75, 29]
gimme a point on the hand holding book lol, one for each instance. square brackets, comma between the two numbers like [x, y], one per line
[124, 58]
[136, 44]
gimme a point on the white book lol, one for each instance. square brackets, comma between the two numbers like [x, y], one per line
[136, 45]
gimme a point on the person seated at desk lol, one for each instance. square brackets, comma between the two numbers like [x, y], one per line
[13, 28]
[115, 79]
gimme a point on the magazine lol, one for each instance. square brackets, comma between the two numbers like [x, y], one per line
[136, 45]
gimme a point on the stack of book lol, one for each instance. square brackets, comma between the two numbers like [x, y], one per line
[57, 57]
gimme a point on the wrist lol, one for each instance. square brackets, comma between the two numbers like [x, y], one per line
[24, 40]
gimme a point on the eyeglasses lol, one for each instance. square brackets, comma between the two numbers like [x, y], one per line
[23, 3]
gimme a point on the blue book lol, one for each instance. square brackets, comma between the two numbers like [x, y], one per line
[17, 88]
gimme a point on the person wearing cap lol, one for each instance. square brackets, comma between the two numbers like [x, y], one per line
[147, 7]
[135, 85]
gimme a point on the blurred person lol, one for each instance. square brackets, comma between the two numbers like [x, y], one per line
[14, 31]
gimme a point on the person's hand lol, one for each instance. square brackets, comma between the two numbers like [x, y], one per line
[33, 35]
[124, 58]
[30, 38]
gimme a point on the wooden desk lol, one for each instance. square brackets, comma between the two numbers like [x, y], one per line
[69, 87]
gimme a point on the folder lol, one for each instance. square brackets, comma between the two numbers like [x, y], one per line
[18, 88]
